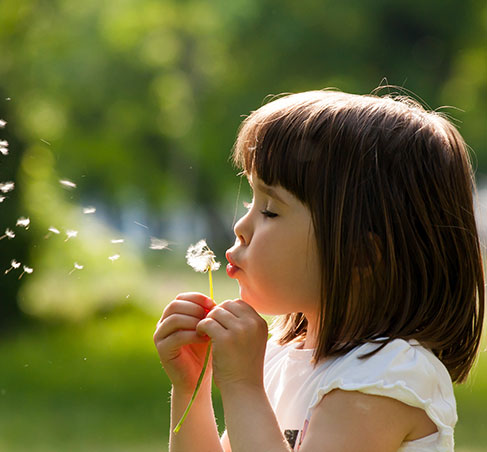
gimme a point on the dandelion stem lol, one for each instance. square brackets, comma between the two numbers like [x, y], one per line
[203, 370]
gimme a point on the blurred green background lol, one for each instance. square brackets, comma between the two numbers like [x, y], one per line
[137, 103]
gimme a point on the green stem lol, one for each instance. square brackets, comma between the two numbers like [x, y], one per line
[202, 374]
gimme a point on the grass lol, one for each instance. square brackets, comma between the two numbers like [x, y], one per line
[98, 386]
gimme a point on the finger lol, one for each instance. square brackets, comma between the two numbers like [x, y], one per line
[211, 328]
[199, 298]
[238, 307]
[173, 323]
[223, 316]
[184, 307]
[180, 339]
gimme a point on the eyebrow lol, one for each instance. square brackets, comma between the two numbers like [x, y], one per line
[269, 191]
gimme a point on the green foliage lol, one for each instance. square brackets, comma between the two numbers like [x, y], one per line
[139, 101]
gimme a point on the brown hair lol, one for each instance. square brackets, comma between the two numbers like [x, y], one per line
[389, 187]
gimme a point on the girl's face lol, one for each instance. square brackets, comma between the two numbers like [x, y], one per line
[275, 257]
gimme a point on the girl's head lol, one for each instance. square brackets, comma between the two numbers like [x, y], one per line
[388, 187]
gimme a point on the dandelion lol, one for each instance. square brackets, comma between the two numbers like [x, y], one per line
[114, 257]
[158, 244]
[76, 267]
[8, 234]
[27, 270]
[115, 241]
[13, 265]
[2, 123]
[5, 187]
[201, 259]
[23, 222]
[70, 234]
[89, 210]
[67, 183]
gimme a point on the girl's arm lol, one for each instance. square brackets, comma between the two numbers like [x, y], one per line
[199, 431]
[239, 337]
[182, 351]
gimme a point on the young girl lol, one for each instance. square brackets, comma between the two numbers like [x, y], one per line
[361, 238]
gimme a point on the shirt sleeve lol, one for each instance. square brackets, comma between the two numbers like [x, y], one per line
[401, 370]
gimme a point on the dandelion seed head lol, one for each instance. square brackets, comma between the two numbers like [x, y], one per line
[67, 183]
[78, 266]
[89, 210]
[14, 263]
[5, 187]
[158, 244]
[28, 270]
[9, 233]
[114, 257]
[23, 222]
[201, 258]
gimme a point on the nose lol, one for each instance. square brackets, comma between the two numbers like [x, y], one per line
[242, 230]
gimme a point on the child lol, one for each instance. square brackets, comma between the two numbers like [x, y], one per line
[361, 238]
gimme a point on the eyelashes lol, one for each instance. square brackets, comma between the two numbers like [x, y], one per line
[267, 213]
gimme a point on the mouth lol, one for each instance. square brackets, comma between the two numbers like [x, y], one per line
[232, 268]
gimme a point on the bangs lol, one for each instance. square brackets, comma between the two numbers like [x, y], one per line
[277, 142]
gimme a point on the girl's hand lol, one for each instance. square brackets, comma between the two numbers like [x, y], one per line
[239, 337]
[181, 349]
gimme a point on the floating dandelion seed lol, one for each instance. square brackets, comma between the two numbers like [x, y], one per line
[8, 234]
[46, 142]
[23, 222]
[2, 123]
[71, 234]
[142, 225]
[202, 259]
[5, 187]
[89, 210]
[115, 241]
[2, 198]
[76, 267]
[13, 265]
[3, 150]
[114, 257]
[67, 183]
[27, 270]
[4, 143]
[158, 244]
[52, 230]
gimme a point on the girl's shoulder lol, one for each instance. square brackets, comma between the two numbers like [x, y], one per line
[400, 369]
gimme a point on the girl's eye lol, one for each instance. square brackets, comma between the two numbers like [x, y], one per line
[268, 213]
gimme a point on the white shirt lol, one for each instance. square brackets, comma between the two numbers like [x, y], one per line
[402, 370]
